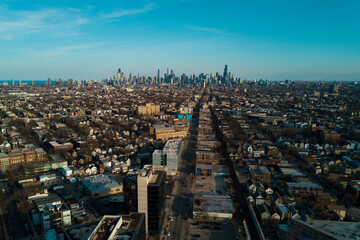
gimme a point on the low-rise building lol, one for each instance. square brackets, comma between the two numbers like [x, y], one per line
[115, 227]
[296, 229]
[102, 185]
[167, 131]
[212, 200]
[303, 189]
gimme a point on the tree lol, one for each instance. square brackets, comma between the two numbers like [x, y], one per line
[4, 201]
[20, 197]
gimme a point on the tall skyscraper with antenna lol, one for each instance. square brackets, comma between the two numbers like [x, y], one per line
[158, 76]
[225, 71]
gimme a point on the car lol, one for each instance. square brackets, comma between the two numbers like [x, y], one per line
[167, 233]
[26, 227]
[171, 218]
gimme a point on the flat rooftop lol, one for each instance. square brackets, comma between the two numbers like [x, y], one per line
[255, 169]
[304, 184]
[214, 206]
[165, 126]
[117, 226]
[49, 200]
[156, 177]
[293, 172]
[100, 183]
[172, 146]
[216, 169]
[338, 229]
[211, 187]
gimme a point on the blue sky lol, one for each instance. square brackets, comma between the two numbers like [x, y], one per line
[273, 39]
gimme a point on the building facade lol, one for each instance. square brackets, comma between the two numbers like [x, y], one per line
[150, 109]
[151, 196]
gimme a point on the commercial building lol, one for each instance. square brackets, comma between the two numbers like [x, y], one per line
[129, 227]
[32, 193]
[186, 110]
[51, 213]
[166, 131]
[150, 109]
[212, 200]
[296, 229]
[151, 196]
[170, 155]
[207, 156]
[102, 185]
[211, 170]
[56, 216]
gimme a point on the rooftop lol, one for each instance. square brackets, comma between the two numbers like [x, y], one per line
[337, 229]
[154, 175]
[100, 183]
[164, 126]
[214, 205]
[172, 146]
[211, 187]
[304, 184]
[117, 226]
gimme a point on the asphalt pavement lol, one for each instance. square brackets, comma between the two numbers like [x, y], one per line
[179, 206]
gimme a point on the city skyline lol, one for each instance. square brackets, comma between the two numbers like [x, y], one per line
[273, 40]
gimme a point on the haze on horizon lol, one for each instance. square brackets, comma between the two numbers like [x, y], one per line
[269, 39]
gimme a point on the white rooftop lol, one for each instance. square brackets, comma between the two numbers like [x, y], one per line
[99, 183]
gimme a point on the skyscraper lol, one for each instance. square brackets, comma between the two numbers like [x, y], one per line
[19, 82]
[119, 74]
[158, 76]
[334, 88]
[49, 81]
[12, 82]
[225, 71]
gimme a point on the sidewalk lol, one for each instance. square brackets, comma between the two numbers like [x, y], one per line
[3, 226]
[31, 225]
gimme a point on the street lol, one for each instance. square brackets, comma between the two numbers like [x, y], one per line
[179, 207]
